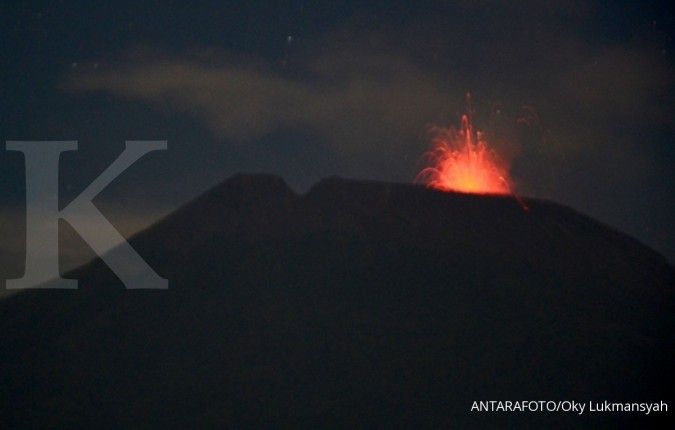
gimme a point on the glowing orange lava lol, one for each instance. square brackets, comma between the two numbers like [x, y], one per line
[462, 161]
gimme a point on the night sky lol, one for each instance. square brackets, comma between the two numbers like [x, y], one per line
[578, 94]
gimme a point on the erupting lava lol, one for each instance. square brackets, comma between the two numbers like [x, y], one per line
[461, 160]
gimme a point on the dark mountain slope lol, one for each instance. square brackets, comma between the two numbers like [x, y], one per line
[357, 304]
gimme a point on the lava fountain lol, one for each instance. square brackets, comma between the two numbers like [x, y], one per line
[461, 160]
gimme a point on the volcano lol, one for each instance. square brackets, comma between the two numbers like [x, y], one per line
[357, 304]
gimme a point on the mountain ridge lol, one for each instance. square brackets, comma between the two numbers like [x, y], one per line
[358, 303]
[271, 188]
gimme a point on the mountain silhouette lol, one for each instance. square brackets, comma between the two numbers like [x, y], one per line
[357, 304]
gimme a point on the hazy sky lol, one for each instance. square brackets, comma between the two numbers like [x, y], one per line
[578, 94]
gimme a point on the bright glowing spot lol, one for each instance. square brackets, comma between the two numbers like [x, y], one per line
[461, 160]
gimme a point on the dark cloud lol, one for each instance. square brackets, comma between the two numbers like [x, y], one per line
[359, 101]
[364, 101]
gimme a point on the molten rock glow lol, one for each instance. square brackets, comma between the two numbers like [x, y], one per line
[462, 161]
